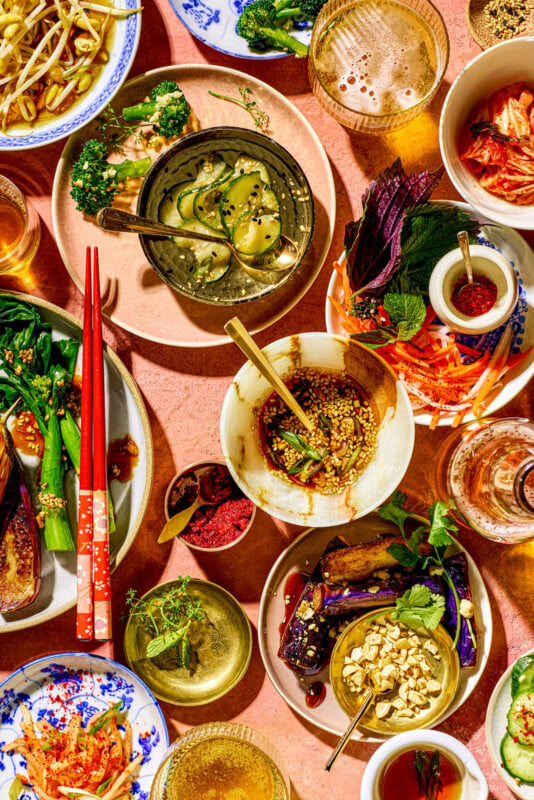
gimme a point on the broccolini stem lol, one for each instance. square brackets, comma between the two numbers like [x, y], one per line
[141, 110]
[283, 39]
[70, 435]
[56, 527]
[132, 169]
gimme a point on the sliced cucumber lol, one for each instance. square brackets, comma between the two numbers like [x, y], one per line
[246, 163]
[525, 681]
[517, 759]
[213, 260]
[167, 210]
[206, 204]
[210, 170]
[246, 193]
[255, 233]
[521, 718]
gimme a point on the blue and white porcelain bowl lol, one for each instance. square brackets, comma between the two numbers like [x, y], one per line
[87, 684]
[126, 32]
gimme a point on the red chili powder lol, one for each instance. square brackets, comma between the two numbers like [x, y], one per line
[474, 298]
[215, 526]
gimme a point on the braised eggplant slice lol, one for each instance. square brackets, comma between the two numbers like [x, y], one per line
[331, 600]
[458, 570]
[353, 564]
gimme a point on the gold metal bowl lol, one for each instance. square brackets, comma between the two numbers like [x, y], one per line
[446, 670]
[222, 658]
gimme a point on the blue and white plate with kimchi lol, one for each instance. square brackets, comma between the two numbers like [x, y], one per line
[214, 22]
[511, 377]
[55, 688]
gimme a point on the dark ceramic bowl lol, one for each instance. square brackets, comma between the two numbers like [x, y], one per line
[175, 264]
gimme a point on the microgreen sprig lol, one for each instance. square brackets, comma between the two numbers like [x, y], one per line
[261, 118]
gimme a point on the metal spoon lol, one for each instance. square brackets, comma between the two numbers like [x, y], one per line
[178, 522]
[282, 257]
[463, 241]
[368, 697]
[235, 328]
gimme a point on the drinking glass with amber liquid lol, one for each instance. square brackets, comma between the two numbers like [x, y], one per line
[221, 760]
[20, 229]
[487, 468]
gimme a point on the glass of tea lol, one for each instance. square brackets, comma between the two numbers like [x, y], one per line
[20, 229]
[221, 760]
[374, 65]
[487, 467]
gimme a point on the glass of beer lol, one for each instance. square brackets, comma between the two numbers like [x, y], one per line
[20, 229]
[374, 65]
[221, 760]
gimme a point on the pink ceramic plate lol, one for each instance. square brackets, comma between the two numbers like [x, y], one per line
[135, 297]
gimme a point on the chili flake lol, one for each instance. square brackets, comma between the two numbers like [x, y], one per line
[474, 298]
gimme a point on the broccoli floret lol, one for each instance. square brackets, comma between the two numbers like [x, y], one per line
[257, 24]
[286, 9]
[43, 386]
[168, 111]
[95, 181]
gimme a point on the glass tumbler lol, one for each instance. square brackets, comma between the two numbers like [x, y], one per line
[221, 760]
[20, 229]
[487, 468]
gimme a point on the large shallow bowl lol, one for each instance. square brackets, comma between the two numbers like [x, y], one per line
[176, 165]
[84, 683]
[126, 33]
[493, 69]
[299, 504]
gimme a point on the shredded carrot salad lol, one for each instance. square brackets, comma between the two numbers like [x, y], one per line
[431, 364]
[77, 762]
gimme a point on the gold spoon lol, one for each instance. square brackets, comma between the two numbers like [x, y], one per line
[463, 241]
[282, 257]
[374, 691]
[246, 343]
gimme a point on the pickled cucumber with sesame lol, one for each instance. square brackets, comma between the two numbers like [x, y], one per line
[342, 443]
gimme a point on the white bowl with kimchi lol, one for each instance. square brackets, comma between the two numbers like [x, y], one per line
[486, 133]
[55, 82]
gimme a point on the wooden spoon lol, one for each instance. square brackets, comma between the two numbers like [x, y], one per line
[246, 343]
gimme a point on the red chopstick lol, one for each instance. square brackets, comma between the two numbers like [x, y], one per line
[84, 615]
[101, 570]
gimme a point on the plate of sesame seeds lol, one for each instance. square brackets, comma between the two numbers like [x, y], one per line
[312, 696]
[493, 21]
[126, 417]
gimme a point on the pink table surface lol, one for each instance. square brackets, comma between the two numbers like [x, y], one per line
[184, 390]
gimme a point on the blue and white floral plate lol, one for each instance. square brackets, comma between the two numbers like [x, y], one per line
[514, 247]
[126, 32]
[214, 23]
[54, 687]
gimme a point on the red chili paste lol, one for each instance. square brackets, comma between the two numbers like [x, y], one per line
[474, 298]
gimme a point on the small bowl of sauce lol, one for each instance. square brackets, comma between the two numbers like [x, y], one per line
[223, 520]
[478, 307]
[440, 758]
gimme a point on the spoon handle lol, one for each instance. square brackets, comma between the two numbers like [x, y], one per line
[246, 343]
[348, 733]
[463, 241]
[113, 219]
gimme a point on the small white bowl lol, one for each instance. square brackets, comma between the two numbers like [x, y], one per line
[494, 69]
[484, 261]
[474, 784]
[303, 505]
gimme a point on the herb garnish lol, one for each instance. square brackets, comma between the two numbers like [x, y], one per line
[407, 313]
[419, 607]
[167, 616]
[261, 118]
[438, 534]
[428, 777]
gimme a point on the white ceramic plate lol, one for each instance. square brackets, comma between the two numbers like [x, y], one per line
[214, 23]
[514, 247]
[496, 728]
[126, 414]
[137, 299]
[121, 55]
[301, 556]
[88, 684]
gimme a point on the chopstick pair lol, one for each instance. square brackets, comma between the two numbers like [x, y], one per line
[93, 618]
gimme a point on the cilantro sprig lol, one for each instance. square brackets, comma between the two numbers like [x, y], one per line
[438, 533]
[419, 607]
